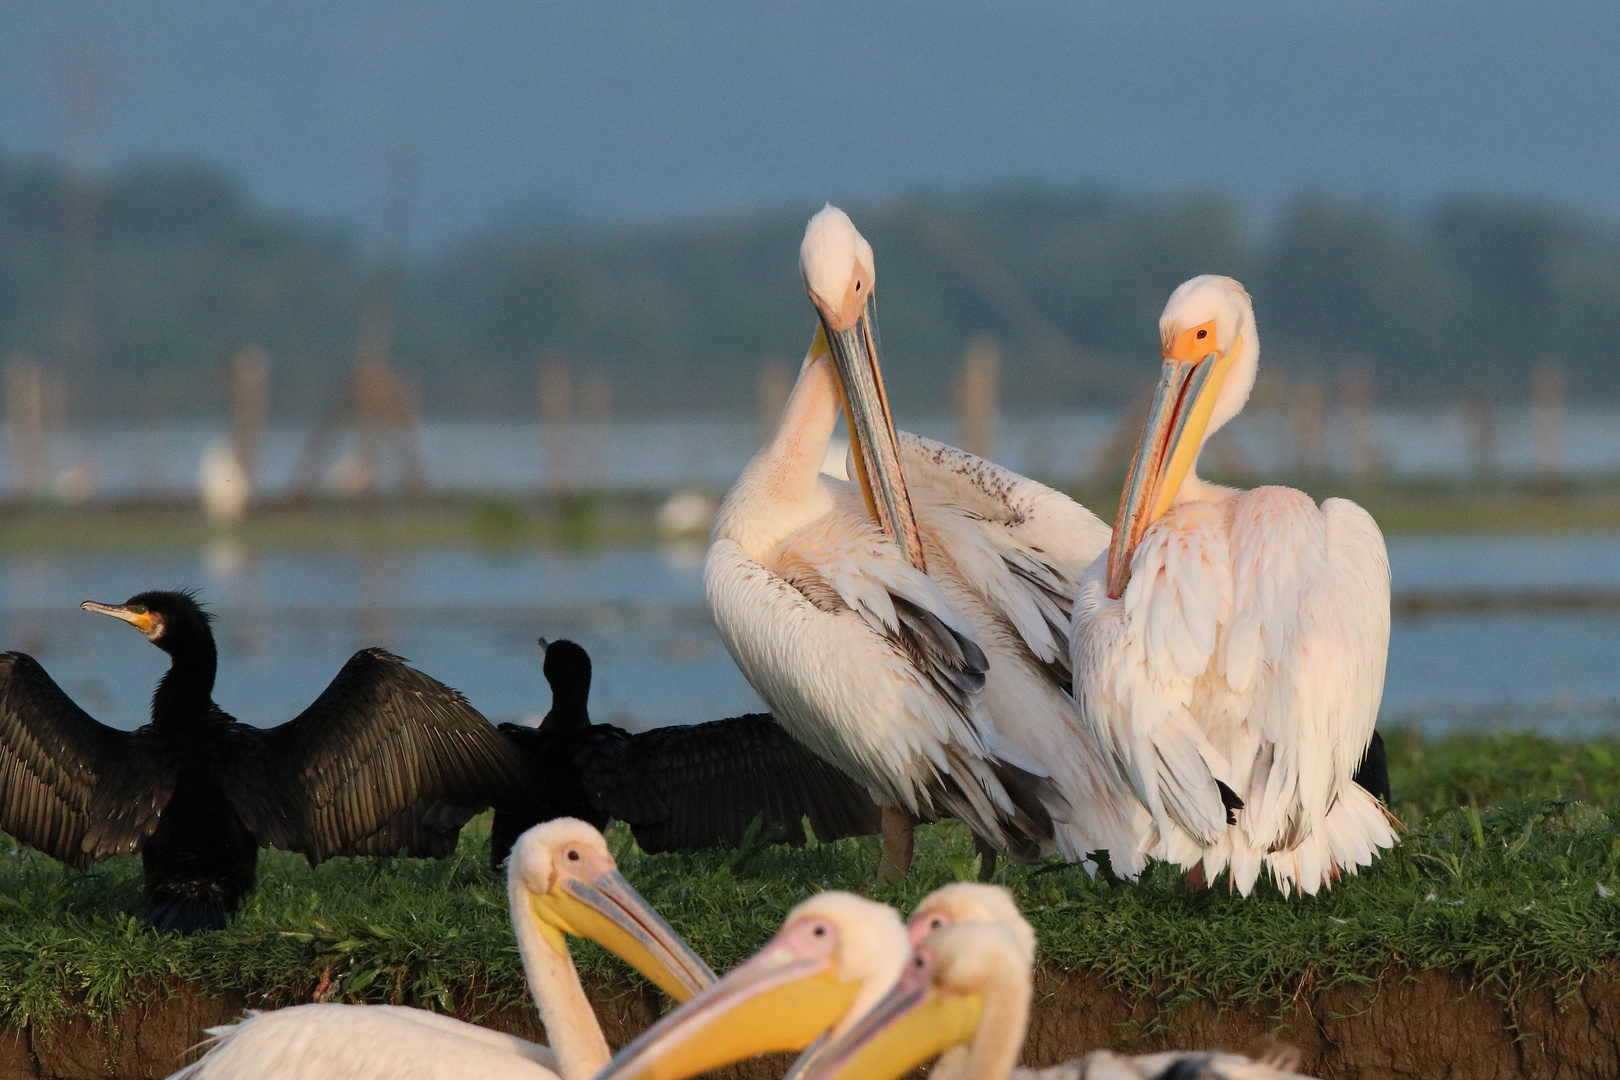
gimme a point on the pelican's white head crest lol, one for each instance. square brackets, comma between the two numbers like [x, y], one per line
[562, 876]
[838, 268]
[835, 956]
[1210, 350]
[1224, 302]
[972, 902]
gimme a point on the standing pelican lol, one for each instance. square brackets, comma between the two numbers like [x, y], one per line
[1008, 554]
[968, 986]
[561, 880]
[819, 590]
[1229, 652]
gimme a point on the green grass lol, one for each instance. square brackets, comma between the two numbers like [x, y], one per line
[1498, 876]
[588, 518]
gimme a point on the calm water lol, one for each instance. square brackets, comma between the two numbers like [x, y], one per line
[287, 620]
[709, 450]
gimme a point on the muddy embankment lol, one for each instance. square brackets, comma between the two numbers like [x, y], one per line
[1429, 1025]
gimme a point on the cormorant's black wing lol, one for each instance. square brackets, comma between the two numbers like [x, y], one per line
[426, 829]
[1373, 772]
[70, 786]
[335, 779]
[712, 780]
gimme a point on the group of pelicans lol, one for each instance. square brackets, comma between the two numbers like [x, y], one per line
[938, 636]
[858, 994]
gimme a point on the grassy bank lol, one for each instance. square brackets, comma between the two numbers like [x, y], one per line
[589, 518]
[1512, 843]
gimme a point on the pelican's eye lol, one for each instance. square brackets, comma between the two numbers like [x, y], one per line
[573, 856]
[1202, 334]
[819, 931]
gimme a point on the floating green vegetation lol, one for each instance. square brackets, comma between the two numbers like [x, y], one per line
[1509, 871]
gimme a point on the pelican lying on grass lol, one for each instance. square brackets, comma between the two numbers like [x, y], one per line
[561, 880]
[831, 981]
[1229, 652]
[835, 956]
[819, 590]
[968, 986]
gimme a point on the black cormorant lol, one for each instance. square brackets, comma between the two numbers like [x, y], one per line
[678, 788]
[372, 767]
[1373, 772]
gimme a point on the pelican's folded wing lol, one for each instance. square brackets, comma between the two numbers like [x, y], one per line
[1019, 544]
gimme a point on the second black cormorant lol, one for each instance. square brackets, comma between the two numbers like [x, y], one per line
[680, 787]
[377, 765]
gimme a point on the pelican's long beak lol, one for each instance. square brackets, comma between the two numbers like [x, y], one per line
[779, 1000]
[607, 909]
[913, 1023]
[134, 614]
[1188, 384]
[850, 336]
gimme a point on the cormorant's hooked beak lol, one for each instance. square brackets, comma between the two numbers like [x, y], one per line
[134, 614]
[913, 1023]
[781, 999]
[599, 904]
[1188, 384]
[849, 335]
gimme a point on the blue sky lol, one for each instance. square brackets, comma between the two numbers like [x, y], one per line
[615, 112]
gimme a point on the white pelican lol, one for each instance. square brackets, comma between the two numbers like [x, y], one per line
[561, 879]
[818, 588]
[969, 985]
[1229, 652]
[1008, 553]
[835, 956]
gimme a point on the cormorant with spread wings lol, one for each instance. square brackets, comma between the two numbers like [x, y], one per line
[679, 788]
[379, 764]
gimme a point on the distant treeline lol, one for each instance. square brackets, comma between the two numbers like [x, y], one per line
[185, 269]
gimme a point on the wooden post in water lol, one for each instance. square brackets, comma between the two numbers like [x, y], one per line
[979, 395]
[250, 410]
[1357, 396]
[1547, 387]
[1479, 436]
[27, 425]
[596, 415]
[772, 385]
[379, 403]
[1308, 418]
[555, 389]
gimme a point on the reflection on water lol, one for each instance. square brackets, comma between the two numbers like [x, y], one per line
[288, 620]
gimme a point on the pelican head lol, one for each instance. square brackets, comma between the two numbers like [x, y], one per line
[1210, 351]
[971, 902]
[960, 979]
[840, 276]
[562, 873]
[833, 958]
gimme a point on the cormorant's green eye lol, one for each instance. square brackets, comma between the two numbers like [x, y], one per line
[139, 609]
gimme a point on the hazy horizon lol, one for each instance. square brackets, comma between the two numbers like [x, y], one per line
[614, 114]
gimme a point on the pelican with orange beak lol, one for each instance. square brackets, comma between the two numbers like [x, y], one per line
[1228, 652]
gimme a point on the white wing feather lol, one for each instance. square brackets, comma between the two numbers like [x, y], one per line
[833, 628]
[1009, 553]
[365, 1042]
[1249, 647]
